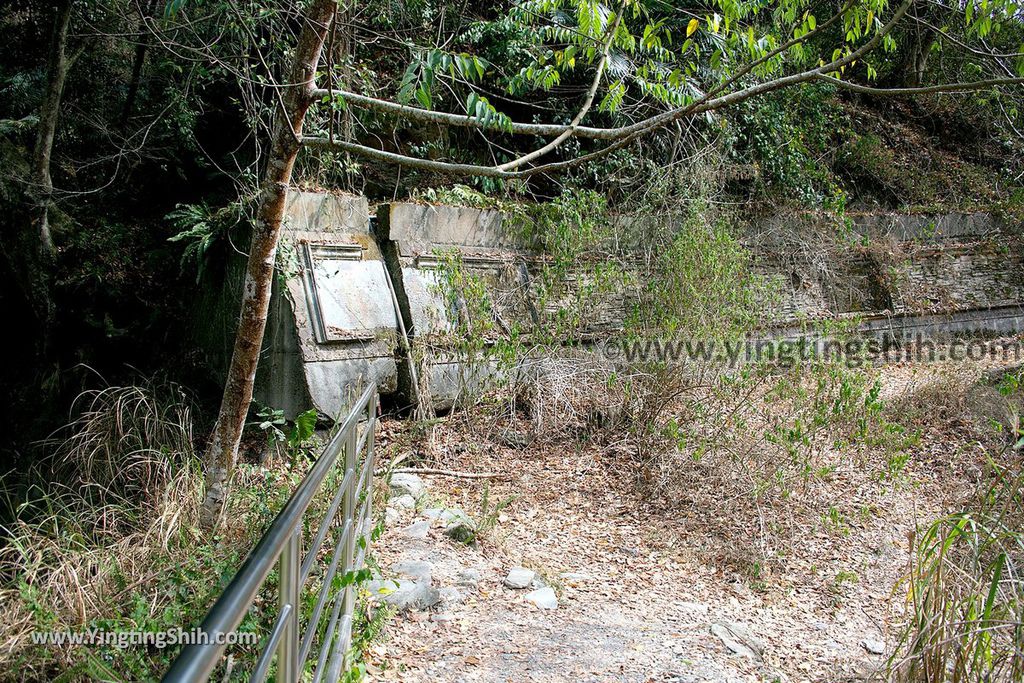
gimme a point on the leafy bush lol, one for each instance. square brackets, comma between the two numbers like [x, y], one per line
[202, 228]
[789, 136]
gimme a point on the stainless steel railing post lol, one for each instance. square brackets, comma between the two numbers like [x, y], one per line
[339, 647]
[369, 463]
[288, 595]
[351, 464]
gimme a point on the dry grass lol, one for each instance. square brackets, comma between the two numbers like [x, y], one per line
[754, 459]
[121, 490]
[965, 592]
[127, 442]
[964, 586]
[793, 491]
[109, 538]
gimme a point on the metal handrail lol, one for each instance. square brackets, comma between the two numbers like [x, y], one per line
[282, 545]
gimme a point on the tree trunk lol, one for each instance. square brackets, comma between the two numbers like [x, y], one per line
[139, 61]
[287, 133]
[915, 62]
[32, 254]
[916, 51]
[57, 71]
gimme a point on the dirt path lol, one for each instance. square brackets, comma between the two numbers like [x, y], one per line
[643, 603]
[646, 586]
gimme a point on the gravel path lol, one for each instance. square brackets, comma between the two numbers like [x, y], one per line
[642, 605]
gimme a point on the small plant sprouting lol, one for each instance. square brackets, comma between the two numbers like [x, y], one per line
[471, 531]
[489, 514]
[273, 423]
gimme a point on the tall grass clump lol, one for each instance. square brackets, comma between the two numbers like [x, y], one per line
[965, 592]
[114, 497]
[127, 444]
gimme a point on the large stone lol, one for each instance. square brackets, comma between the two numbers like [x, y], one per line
[414, 569]
[738, 639]
[450, 596]
[404, 502]
[520, 577]
[403, 483]
[417, 530]
[404, 594]
[543, 598]
[446, 515]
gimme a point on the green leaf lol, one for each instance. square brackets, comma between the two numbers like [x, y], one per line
[408, 82]
[423, 97]
[305, 423]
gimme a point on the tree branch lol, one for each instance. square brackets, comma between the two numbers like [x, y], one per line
[785, 46]
[923, 90]
[411, 162]
[964, 46]
[463, 120]
[587, 103]
[541, 129]
[626, 134]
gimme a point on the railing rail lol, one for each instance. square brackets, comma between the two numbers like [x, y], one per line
[281, 545]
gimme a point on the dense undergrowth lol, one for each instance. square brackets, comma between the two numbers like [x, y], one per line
[816, 148]
[108, 541]
[965, 591]
[769, 471]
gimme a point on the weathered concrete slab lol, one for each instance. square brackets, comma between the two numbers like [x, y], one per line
[347, 297]
[906, 227]
[783, 230]
[420, 229]
[427, 310]
[326, 212]
[966, 276]
[342, 314]
[335, 384]
[417, 239]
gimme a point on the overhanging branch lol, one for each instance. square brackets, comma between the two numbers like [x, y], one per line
[542, 129]
[411, 162]
[587, 103]
[463, 120]
[622, 136]
[923, 90]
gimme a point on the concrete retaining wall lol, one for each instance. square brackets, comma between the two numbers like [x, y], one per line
[351, 281]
